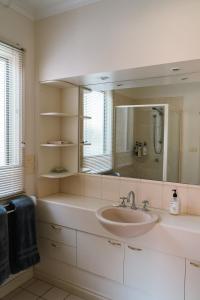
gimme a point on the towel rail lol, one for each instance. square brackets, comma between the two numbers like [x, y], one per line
[7, 205]
[8, 208]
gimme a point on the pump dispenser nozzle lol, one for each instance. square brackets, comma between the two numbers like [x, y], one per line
[174, 193]
[175, 208]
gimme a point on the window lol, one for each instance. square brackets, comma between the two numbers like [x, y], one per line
[11, 152]
[96, 155]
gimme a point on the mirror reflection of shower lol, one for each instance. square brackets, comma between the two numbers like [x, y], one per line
[158, 129]
[140, 148]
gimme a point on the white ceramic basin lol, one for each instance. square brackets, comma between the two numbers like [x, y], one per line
[126, 222]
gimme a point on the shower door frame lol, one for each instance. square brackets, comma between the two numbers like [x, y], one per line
[165, 134]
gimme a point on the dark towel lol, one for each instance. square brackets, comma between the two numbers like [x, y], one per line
[4, 245]
[22, 234]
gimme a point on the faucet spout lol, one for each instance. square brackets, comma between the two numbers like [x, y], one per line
[131, 199]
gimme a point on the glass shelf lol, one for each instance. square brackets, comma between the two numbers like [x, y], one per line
[86, 117]
[58, 145]
[57, 114]
[55, 175]
[57, 83]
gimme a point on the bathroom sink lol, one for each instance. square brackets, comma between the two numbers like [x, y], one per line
[126, 222]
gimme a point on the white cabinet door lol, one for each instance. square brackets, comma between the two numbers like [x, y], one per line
[192, 282]
[101, 256]
[158, 275]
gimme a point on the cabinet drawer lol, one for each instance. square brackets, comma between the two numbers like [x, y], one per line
[57, 233]
[101, 256]
[58, 251]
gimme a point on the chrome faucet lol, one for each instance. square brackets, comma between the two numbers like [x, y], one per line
[131, 199]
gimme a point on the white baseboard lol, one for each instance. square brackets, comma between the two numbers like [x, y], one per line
[15, 281]
[70, 287]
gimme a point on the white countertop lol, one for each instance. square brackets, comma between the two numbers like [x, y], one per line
[81, 202]
[182, 222]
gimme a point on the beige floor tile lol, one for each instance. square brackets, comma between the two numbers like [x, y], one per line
[38, 287]
[55, 294]
[27, 283]
[72, 297]
[24, 295]
[12, 294]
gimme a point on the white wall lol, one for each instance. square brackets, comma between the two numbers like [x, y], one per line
[16, 28]
[118, 34]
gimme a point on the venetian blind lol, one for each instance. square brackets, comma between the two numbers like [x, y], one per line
[97, 131]
[11, 152]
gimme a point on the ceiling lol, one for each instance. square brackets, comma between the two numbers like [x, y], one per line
[39, 9]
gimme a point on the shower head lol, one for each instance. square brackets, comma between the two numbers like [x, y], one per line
[159, 110]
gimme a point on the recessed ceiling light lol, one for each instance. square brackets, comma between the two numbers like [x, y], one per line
[175, 69]
[104, 77]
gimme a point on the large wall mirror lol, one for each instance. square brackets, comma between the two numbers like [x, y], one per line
[149, 132]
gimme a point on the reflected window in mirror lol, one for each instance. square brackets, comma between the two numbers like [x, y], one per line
[96, 131]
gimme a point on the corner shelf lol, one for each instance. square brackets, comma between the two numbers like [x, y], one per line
[57, 83]
[58, 120]
[57, 114]
[52, 175]
[58, 145]
[86, 117]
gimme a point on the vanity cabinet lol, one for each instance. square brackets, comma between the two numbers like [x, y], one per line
[107, 266]
[159, 275]
[192, 280]
[100, 255]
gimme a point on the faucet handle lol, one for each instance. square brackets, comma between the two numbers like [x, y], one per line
[145, 204]
[123, 202]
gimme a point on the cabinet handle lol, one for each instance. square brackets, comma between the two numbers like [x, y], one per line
[195, 264]
[134, 248]
[55, 246]
[56, 227]
[113, 243]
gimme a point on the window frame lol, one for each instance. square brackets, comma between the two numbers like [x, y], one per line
[14, 75]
